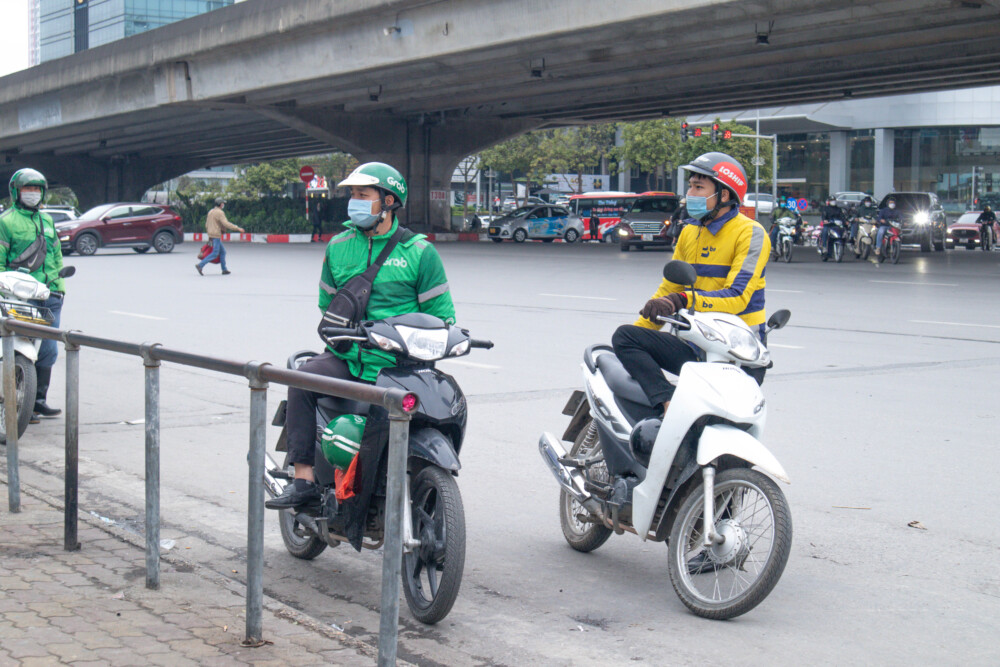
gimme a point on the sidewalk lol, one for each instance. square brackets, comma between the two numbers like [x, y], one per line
[91, 607]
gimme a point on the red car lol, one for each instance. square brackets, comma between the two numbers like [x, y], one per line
[965, 231]
[122, 225]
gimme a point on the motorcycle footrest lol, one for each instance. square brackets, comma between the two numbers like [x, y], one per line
[572, 463]
[280, 474]
[601, 491]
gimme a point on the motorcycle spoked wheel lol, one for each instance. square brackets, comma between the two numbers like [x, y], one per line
[786, 250]
[432, 572]
[730, 579]
[583, 535]
[299, 541]
[27, 384]
[894, 250]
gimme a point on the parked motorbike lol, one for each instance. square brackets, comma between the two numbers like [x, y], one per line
[834, 241]
[17, 288]
[785, 238]
[892, 244]
[434, 521]
[700, 479]
[864, 241]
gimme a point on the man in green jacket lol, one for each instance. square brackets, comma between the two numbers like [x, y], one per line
[411, 280]
[20, 226]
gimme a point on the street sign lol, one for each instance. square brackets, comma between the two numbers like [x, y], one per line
[306, 174]
[803, 204]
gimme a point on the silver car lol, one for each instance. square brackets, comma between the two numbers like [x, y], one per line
[546, 223]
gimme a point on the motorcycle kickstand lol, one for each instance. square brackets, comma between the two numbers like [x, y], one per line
[711, 538]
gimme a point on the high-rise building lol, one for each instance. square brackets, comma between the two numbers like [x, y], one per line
[65, 27]
[34, 7]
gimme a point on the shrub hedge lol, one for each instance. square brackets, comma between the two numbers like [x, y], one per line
[264, 215]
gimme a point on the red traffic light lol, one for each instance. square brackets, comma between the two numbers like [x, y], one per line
[697, 131]
[727, 134]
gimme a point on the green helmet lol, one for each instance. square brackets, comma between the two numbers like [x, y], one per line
[378, 175]
[341, 440]
[23, 178]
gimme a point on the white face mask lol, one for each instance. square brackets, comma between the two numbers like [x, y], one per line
[31, 199]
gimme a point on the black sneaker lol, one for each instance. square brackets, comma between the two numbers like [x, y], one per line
[198, 268]
[300, 492]
[701, 564]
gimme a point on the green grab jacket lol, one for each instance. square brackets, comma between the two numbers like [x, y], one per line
[18, 230]
[411, 280]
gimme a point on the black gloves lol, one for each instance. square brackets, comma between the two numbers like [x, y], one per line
[663, 307]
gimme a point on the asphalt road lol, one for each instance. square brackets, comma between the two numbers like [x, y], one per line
[882, 410]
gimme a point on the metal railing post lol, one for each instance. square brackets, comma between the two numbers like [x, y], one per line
[152, 366]
[72, 490]
[10, 419]
[255, 505]
[392, 553]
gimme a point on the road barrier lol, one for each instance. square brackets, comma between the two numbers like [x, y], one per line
[259, 374]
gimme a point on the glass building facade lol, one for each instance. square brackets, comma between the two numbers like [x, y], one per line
[68, 26]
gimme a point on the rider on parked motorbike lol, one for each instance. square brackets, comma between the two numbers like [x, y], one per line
[729, 252]
[866, 209]
[828, 213]
[411, 280]
[986, 220]
[20, 226]
[886, 216]
[788, 209]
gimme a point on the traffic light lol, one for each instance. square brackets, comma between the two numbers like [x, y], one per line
[715, 133]
[684, 131]
[697, 133]
[727, 134]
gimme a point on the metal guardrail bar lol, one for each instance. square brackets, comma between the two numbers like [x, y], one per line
[258, 374]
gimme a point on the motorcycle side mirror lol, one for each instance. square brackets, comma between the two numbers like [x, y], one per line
[67, 271]
[680, 272]
[779, 319]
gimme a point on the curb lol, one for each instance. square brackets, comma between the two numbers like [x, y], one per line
[270, 604]
[202, 237]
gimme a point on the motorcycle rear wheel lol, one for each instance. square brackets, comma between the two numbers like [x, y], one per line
[732, 578]
[582, 536]
[299, 542]
[432, 572]
[27, 383]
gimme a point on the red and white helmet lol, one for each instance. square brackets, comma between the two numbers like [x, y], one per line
[724, 170]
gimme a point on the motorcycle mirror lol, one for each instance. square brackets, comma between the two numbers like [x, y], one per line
[779, 319]
[680, 272]
[67, 271]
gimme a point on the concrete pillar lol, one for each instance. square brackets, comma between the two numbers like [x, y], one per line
[426, 149]
[840, 162]
[623, 166]
[885, 150]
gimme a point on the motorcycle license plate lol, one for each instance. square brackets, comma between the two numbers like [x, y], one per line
[647, 237]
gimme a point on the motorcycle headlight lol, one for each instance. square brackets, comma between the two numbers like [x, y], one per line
[709, 333]
[921, 218]
[742, 343]
[425, 344]
[385, 343]
[24, 291]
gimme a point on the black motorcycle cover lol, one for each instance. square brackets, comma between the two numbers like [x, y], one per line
[371, 468]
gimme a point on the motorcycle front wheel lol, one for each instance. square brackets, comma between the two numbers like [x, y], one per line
[582, 534]
[838, 251]
[894, 248]
[27, 383]
[786, 250]
[731, 578]
[432, 572]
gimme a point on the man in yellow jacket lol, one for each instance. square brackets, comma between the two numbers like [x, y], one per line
[728, 251]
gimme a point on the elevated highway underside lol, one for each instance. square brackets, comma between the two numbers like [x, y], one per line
[423, 83]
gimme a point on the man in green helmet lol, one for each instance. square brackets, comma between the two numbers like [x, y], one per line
[411, 280]
[23, 228]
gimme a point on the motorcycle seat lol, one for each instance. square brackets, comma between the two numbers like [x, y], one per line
[621, 383]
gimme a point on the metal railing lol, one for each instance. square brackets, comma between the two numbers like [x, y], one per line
[259, 375]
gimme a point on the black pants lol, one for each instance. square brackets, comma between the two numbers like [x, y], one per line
[300, 415]
[646, 353]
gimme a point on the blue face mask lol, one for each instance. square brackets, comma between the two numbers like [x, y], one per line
[360, 212]
[697, 207]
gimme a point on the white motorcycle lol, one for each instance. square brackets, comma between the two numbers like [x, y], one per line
[17, 288]
[700, 479]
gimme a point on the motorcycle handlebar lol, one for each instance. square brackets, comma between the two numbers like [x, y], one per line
[336, 332]
[484, 344]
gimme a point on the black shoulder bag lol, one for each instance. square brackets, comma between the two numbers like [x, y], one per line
[33, 256]
[349, 305]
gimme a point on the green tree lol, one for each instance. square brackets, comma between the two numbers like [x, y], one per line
[517, 155]
[574, 150]
[335, 166]
[264, 179]
[741, 148]
[654, 146]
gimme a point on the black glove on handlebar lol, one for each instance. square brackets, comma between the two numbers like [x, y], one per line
[665, 306]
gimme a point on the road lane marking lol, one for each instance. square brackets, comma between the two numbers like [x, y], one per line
[145, 317]
[785, 291]
[787, 347]
[472, 364]
[912, 282]
[957, 324]
[574, 296]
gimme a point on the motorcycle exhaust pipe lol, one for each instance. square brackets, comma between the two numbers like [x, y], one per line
[272, 485]
[570, 479]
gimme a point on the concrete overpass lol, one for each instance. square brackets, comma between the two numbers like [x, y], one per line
[422, 83]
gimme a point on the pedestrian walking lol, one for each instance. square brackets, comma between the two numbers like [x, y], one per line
[28, 242]
[214, 224]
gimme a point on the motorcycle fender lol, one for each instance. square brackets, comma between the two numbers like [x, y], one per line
[25, 348]
[431, 445]
[719, 440]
